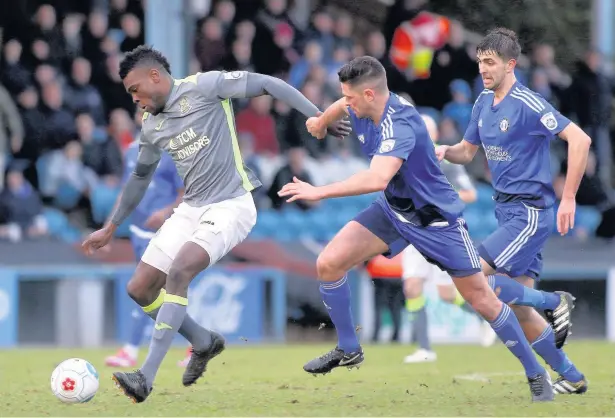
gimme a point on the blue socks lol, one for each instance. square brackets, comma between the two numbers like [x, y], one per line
[336, 297]
[508, 329]
[515, 293]
[554, 357]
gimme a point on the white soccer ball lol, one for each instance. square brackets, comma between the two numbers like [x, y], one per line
[74, 381]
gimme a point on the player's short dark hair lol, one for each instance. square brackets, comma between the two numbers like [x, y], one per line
[143, 55]
[362, 69]
[504, 42]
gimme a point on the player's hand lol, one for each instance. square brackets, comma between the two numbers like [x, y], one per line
[300, 190]
[156, 219]
[565, 215]
[340, 129]
[98, 239]
[316, 127]
[441, 152]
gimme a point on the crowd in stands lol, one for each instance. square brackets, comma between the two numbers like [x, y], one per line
[66, 118]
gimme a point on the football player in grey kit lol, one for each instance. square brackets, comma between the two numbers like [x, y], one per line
[191, 119]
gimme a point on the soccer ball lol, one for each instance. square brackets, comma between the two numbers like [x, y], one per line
[74, 381]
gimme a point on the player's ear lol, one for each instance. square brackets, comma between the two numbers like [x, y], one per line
[368, 94]
[510, 65]
[154, 74]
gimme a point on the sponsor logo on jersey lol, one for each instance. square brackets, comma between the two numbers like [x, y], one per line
[504, 125]
[187, 144]
[496, 153]
[362, 138]
[184, 105]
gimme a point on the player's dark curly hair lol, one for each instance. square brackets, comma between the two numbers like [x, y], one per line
[362, 69]
[503, 42]
[143, 55]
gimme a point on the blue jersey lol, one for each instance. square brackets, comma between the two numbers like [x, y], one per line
[515, 135]
[162, 190]
[419, 191]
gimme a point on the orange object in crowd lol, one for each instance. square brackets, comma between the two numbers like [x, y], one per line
[382, 267]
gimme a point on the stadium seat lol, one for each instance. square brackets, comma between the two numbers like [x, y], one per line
[588, 218]
[66, 197]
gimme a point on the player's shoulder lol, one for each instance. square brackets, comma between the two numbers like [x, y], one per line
[528, 100]
[484, 95]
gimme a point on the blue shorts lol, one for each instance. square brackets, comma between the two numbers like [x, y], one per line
[449, 246]
[139, 245]
[515, 248]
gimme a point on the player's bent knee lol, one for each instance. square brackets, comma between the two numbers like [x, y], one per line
[328, 267]
[140, 292]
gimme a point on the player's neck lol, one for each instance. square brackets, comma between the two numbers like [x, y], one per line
[380, 104]
[505, 87]
[171, 83]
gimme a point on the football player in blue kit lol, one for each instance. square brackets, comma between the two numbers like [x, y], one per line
[514, 125]
[164, 193]
[416, 205]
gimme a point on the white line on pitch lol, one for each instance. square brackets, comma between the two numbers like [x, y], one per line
[485, 377]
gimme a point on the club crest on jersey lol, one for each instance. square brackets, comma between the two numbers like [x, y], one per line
[362, 138]
[504, 125]
[233, 75]
[184, 105]
[387, 145]
[549, 121]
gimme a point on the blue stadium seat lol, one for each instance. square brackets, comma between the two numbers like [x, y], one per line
[56, 220]
[66, 197]
[267, 222]
[588, 218]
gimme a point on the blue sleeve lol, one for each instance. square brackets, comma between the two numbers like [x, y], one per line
[550, 121]
[398, 139]
[472, 135]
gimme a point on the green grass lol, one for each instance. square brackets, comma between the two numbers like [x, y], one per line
[269, 381]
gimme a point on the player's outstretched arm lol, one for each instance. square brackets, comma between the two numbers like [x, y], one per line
[375, 179]
[461, 153]
[130, 197]
[317, 125]
[578, 150]
[242, 84]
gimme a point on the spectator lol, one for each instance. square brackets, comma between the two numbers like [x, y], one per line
[460, 109]
[540, 84]
[50, 33]
[267, 21]
[250, 160]
[59, 122]
[15, 77]
[45, 75]
[322, 32]
[112, 89]
[12, 140]
[66, 171]
[209, 46]
[257, 120]
[121, 128]
[312, 57]
[22, 208]
[131, 26]
[100, 153]
[377, 48]
[224, 11]
[35, 132]
[284, 52]
[41, 54]
[240, 58]
[590, 97]
[543, 58]
[245, 31]
[294, 168]
[297, 136]
[92, 36]
[71, 36]
[81, 96]
[343, 32]
[117, 11]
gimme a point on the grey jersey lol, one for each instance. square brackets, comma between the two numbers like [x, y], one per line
[457, 176]
[197, 128]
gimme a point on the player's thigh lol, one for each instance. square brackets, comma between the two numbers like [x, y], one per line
[448, 247]
[368, 235]
[515, 247]
[170, 238]
[224, 225]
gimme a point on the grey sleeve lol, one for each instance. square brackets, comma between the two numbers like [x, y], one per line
[138, 182]
[242, 84]
[458, 177]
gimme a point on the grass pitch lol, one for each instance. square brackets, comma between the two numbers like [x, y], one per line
[269, 381]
